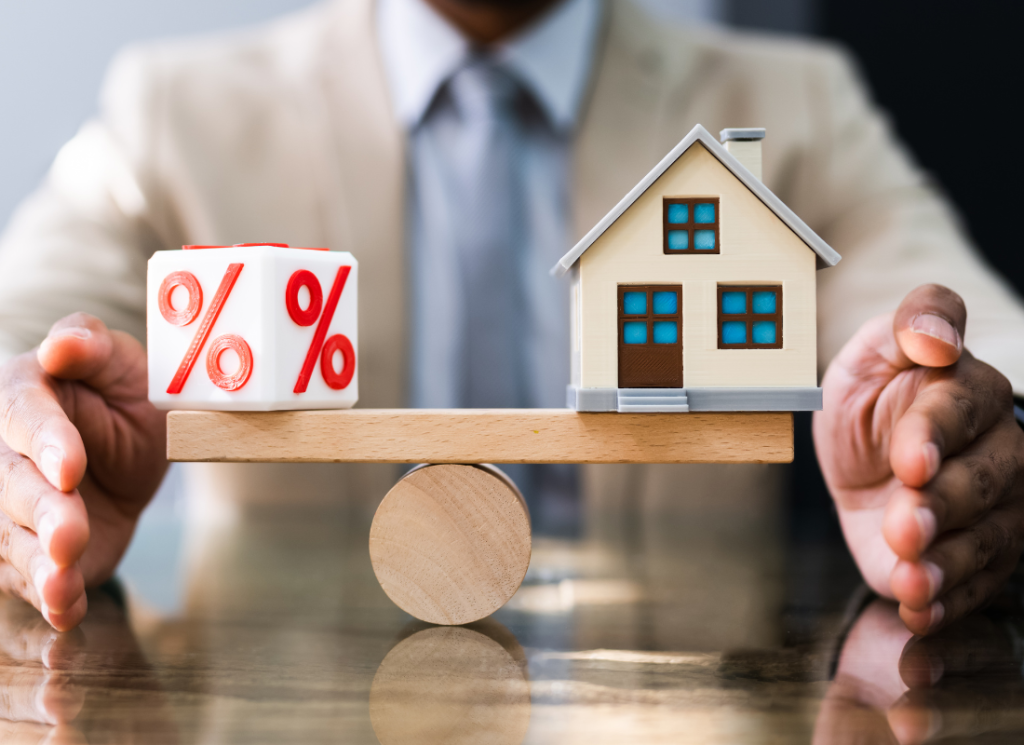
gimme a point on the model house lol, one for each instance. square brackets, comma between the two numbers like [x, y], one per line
[697, 291]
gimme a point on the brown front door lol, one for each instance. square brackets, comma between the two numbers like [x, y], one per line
[650, 336]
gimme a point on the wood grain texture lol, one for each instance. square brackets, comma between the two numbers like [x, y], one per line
[451, 544]
[478, 436]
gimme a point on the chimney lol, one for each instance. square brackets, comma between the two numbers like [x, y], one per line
[745, 146]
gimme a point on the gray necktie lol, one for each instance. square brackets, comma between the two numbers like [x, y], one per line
[486, 173]
[469, 229]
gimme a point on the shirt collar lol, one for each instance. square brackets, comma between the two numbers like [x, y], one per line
[553, 56]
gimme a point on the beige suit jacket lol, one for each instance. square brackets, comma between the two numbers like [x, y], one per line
[285, 133]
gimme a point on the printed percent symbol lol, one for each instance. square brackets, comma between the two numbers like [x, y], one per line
[325, 349]
[221, 344]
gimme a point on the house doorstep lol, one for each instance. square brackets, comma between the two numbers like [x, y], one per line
[662, 400]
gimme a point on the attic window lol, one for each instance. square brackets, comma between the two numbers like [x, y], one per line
[691, 225]
[750, 317]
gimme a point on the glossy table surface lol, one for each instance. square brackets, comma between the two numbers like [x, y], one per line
[677, 628]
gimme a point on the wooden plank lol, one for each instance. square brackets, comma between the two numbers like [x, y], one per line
[478, 436]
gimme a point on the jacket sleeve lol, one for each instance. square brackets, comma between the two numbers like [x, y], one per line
[81, 241]
[861, 190]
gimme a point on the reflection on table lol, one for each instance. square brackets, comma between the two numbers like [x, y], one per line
[890, 686]
[684, 623]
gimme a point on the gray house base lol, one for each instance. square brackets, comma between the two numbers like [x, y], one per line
[661, 400]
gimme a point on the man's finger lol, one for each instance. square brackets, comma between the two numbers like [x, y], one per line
[59, 519]
[873, 381]
[34, 423]
[13, 583]
[81, 347]
[53, 590]
[108, 400]
[966, 488]
[929, 326]
[964, 581]
[955, 558]
[37, 411]
[77, 347]
[956, 604]
[948, 414]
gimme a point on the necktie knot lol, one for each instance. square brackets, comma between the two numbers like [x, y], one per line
[484, 90]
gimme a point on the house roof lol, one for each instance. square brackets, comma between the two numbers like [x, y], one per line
[826, 254]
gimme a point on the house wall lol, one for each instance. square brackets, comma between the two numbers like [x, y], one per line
[575, 335]
[756, 247]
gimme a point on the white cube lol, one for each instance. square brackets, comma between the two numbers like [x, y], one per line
[252, 328]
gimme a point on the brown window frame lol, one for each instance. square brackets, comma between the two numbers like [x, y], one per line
[650, 316]
[749, 317]
[690, 226]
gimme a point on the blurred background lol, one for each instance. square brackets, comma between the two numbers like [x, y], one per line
[946, 76]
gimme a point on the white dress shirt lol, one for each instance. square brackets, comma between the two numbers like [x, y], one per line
[552, 58]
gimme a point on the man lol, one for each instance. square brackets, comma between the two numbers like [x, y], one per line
[349, 126]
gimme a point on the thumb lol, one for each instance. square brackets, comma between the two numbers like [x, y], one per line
[925, 331]
[78, 347]
[929, 326]
[112, 363]
[74, 418]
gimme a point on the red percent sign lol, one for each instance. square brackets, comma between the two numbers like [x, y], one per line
[325, 349]
[220, 345]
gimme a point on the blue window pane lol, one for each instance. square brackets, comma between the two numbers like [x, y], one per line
[634, 332]
[665, 303]
[704, 240]
[764, 332]
[635, 303]
[734, 302]
[678, 240]
[678, 213]
[734, 332]
[666, 332]
[704, 213]
[764, 302]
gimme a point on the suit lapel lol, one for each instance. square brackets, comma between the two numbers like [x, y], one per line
[362, 177]
[623, 132]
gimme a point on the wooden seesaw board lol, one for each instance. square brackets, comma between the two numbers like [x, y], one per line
[451, 543]
[478, 436]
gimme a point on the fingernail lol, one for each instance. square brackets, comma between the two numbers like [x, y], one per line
[937, 328]
[75, 333]
[50, 464]
[44, 529]
[932, 458]
[926, 525]
[41, 575]
[936, 668]
[935, 577]
[938, 613]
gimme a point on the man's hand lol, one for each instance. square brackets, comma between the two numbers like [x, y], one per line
[921, 452]
[81, 453]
